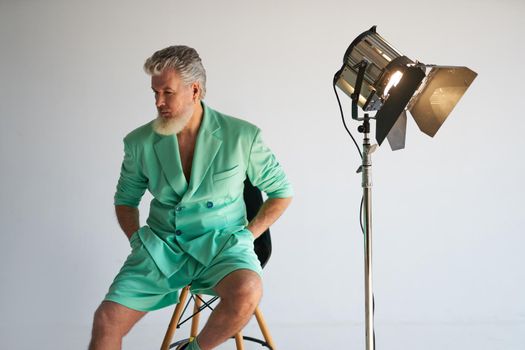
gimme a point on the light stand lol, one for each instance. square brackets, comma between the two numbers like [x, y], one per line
[366, 172]
[379, 78]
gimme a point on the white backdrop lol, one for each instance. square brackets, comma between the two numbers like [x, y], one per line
[448, 212]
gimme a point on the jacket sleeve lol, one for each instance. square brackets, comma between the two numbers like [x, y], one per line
[132, 183]
[265, 172]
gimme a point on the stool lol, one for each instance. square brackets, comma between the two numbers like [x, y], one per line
[199, 304]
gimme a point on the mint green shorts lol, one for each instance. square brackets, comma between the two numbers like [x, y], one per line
[141, 286]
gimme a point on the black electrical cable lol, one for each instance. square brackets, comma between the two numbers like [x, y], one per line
[343, 118]
[361, 214]
[355, 142]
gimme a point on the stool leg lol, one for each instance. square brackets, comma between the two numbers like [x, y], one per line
[239, 342]
[264, 328]
[170, 332]
[195, 320]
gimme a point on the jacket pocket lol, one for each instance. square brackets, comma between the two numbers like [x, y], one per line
[226, 174]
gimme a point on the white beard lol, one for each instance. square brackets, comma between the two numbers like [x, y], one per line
[172, 126]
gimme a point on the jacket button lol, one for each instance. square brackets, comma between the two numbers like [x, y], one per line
[179, 208]
[178, 232]
[209, 205]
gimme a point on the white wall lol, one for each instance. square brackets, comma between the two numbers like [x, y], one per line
[448, 212]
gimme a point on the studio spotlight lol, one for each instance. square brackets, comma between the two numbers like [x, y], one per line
[379, 79]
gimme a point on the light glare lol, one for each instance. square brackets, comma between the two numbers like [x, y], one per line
[394, 79]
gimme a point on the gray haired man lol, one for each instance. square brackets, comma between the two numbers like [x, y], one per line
[194, 161]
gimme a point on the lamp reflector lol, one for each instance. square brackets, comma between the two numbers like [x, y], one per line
[439, 93]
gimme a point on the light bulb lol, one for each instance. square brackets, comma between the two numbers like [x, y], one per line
[394, 79]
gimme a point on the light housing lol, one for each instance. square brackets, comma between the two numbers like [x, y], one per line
[392, 83]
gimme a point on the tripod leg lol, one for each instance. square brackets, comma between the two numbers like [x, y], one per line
[170, 332]
[239, 342]
[195, 320]
[264, 328]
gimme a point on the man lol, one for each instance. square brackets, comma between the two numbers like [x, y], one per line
[194, 161]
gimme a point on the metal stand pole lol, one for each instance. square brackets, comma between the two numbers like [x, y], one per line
[366, 170]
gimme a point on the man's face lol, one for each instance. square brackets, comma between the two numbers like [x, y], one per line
[175, 101]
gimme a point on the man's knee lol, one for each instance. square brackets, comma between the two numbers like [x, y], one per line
[104, 321]
[114, 319]
[244, 289]
[250, 289]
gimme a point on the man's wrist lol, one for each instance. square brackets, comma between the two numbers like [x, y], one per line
[129, 233]
[253, 231]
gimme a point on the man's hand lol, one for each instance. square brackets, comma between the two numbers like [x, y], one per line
[128, 219]
[269, 212]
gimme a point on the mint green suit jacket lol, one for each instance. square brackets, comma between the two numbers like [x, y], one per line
[196, 219]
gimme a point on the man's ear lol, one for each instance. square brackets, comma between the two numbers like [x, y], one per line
[196, 90]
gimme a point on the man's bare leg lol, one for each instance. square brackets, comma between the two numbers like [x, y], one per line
[111, 323]
[240, 293]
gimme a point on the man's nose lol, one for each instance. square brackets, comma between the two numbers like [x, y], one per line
[159, 101]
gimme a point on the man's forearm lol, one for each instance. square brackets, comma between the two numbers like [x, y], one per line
[128, 219]
[269, 212]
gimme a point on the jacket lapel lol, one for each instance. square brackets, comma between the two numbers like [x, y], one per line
[207, 146]
[167, 151]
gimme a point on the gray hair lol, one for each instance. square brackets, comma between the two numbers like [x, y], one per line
[183, 59]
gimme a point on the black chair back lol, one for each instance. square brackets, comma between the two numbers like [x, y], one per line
[254, 200]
